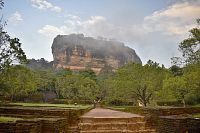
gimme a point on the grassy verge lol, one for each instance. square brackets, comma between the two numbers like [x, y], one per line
[8, 119]
[118, 107]
[197, 105]
[196, 115]
[51, 105]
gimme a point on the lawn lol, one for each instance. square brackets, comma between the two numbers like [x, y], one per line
[197, 105]
[8, 119]
[52, 105]
[118, 107]
[196, 115]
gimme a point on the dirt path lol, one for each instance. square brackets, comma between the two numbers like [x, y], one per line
[108, 113]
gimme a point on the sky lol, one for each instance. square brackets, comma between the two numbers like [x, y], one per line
[153, 28]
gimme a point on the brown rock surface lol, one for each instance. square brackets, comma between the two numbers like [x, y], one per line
[78, 52]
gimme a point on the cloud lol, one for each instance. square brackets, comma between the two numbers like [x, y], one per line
[176, 19]
[15, 18]
[95, 26]
[50, 31]
[45, 5]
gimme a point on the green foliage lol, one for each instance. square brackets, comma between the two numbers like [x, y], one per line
[63, 72]
[142, 95]
[10, 51]
[40, 64]
[190, 47]
[132, 78]
[77, 87]
[147, 83]
[46, 80]
[18, 82]
[10, 48]
[8, 119]
[186, 86]
[51, 105]
[88, 73]
[178, 86]
[176, 71]
[105, 72]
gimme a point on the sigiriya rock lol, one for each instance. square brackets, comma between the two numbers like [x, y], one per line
[77, 52]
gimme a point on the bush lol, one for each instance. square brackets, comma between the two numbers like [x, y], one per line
[169, 103]
[66, 101]
[193, 100]
[35, 97]
[120, 103]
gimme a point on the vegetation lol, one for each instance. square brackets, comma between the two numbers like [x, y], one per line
[8, 119]
[51, 105]
[135, 82]
[10, 48]
[130, 84]
[190, 47]
[185, 83]
[196, 115]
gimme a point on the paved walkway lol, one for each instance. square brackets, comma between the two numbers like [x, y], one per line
[108, 113]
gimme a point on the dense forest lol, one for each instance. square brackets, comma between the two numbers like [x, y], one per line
[149, 84]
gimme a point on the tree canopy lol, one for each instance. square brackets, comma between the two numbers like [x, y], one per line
[10, 48]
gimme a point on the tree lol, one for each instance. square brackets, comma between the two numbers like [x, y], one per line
[63, 72]
[46, 83]
[88, 90]
[10, 48]
[192, 76]
[185, 83]
[143, 95]
[75, 87]
[190, 47]
[135, 82]
[88, 73]
[19, 82]
[179, 87]
[176, 70]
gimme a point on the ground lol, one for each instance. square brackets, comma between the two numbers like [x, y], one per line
[107, 113]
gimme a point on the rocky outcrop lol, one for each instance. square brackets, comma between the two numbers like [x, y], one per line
[77, 52]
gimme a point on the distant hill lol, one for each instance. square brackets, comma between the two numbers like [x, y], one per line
[40, 64]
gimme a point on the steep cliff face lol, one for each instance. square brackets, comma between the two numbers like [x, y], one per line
[77, 52]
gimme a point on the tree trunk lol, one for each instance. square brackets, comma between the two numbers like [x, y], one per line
[183, 102]
[11, 98]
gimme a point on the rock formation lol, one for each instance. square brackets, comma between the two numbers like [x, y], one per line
[77, 52]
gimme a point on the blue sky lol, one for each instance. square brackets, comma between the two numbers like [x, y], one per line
[153, 28]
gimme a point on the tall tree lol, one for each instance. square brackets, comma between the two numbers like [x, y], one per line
[75, 87]
[10, 48]
[136, 82]
[179, 87]
[19, 82]
[190, 47]
[143, 95]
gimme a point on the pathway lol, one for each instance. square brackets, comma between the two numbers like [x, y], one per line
[101, 120]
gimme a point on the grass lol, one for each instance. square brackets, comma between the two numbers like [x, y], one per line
[8, 119]
[197, 105]
[51, 105]
[196, 115]
[118, 107]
